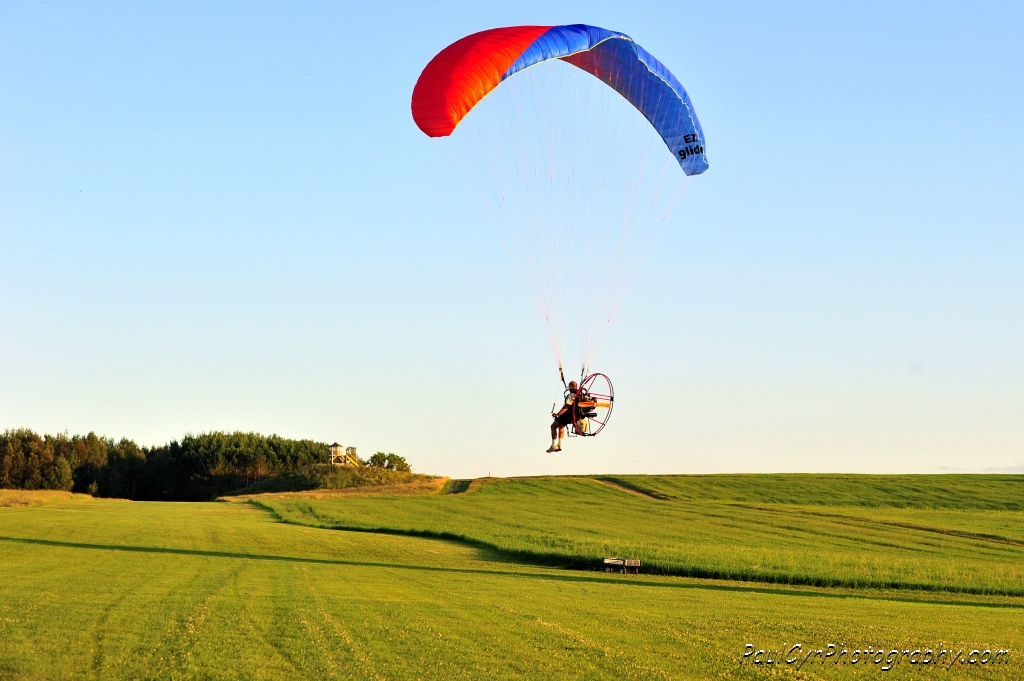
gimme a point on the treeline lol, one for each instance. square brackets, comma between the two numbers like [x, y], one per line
[199, 467]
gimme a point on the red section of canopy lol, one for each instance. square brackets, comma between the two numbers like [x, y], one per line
[464, 72]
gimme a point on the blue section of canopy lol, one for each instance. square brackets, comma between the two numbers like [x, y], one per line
[635, 74]
[561, 41]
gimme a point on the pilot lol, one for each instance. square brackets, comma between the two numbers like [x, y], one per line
[563, 417]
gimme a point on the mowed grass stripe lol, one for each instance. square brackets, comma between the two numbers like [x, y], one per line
[856, 521]
[954, 491]
[569, 521]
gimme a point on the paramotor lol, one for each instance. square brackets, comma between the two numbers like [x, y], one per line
[593, 405]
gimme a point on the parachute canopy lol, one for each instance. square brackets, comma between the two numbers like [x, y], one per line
[464, 73]
[580, 144]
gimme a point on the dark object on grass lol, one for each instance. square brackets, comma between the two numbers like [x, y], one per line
[621, 565]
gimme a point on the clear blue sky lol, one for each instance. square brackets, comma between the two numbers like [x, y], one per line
[221, 216]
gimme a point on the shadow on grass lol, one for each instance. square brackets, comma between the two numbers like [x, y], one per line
[590, 579]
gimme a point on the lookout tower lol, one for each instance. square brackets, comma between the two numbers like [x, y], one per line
[344, 456]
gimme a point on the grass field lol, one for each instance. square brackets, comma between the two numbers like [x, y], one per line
[728, 534]
[125, 590]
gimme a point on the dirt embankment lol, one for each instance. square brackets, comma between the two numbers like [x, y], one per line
[422, 486]
[35, 497]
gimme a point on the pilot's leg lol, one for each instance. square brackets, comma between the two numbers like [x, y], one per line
[557, 430]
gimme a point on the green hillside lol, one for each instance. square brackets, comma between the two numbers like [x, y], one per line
[735, 531]
[326, 476]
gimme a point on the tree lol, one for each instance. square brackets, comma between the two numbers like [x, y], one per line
[391, 462]
[398, 463]
[87, 455]
[27, 461]
[57, 475]
[124, 474]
